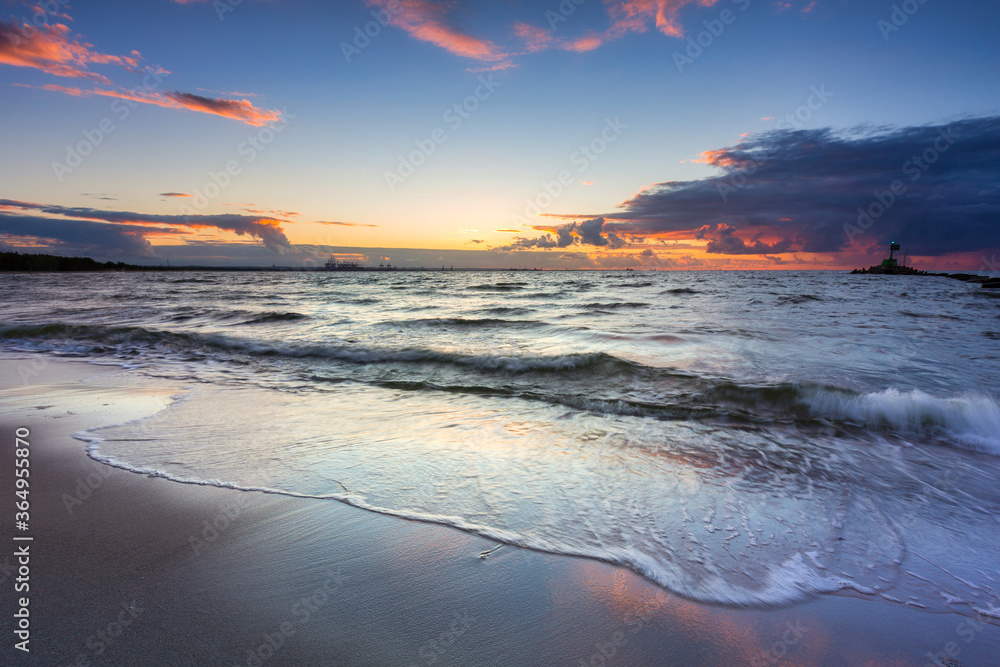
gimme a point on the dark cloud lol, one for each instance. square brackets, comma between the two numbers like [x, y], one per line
[83, 237]
[724, 242]
[588, 232]
[267, 230]
[801, 190]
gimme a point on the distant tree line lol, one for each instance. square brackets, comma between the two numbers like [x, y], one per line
[15, 261]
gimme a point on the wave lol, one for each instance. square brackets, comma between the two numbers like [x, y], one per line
[128, 337]
[943, 316]
[488, 322]
[498, 287]
[789, 581]
[235, 316]
[506, 310]
[971, 421]
[681, 290]
[615, 305]
[797, 298]
[263, 318]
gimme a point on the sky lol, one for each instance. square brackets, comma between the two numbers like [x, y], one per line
[654, 134]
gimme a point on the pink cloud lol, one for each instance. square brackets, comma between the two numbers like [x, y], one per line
[626, 16]
[634, 15]
[534, 38]
[51, 49]
[240, 110]
[426, 20]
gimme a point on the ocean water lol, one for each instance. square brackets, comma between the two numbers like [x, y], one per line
[747, 439]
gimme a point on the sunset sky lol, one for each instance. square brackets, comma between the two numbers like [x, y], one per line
[577, 134]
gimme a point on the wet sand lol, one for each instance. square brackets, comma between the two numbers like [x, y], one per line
[129, 569]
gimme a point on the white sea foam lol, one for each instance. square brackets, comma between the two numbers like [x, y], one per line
[972, 421]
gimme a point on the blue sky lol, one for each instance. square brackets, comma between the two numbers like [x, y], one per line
[336, 130]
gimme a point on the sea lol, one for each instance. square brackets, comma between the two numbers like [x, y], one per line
[752, 439]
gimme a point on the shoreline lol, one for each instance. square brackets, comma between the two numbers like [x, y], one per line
[138, 569]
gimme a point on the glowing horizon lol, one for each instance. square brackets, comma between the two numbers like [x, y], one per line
[657, 134]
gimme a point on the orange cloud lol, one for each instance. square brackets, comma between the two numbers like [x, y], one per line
[633, 15]
[716, 158]
[540, 39]
[626, 16]
[534, 38]
[51, 49]
[342, 224]
[425, 20]
[241, 110]
[584, 44]
[73, 91]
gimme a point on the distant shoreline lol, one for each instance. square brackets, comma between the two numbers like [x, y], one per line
[13, 262]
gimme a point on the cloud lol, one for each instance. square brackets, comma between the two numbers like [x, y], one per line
[241, 110]
[174, 194]
[80, 236]
[724, 242]
[589, 232]
[51, 49]
[788, 190]
[426, 20]
[342, 224]
[267, 231]
[634, 15]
